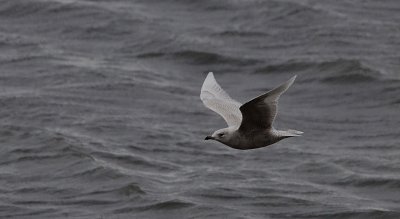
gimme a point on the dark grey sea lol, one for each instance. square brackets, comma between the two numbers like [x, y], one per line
[100, 115]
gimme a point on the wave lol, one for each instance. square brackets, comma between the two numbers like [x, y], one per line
[135, 161]
[172, 204]
[100, 22]
[241, 33]
[359, 181]
[335, 71]
[196, 57]
[131, 188]
[164, 205]
[354, 214]
[18, 9]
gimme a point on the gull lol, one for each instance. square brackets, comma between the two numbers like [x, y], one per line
[250, 125]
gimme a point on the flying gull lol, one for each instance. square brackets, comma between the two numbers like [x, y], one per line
[249, 124]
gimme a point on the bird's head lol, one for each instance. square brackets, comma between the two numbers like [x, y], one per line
[223, 135]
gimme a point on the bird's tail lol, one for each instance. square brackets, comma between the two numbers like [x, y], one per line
[292, 133]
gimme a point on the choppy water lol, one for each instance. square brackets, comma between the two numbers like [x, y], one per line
[100, 113]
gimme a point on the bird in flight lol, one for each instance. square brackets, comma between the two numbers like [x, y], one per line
[249, 124]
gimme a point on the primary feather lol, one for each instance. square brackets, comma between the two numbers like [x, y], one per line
[260, 112]
[216, 99]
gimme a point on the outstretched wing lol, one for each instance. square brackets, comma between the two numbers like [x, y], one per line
[216, 99]
[260, 112]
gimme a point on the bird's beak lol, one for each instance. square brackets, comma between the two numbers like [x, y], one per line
[208, 137]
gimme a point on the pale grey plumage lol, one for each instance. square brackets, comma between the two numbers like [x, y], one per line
[216, 99]
[250, 124]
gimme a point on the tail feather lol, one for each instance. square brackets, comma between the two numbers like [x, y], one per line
[292, 133]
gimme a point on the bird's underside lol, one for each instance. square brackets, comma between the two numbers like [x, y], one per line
[249, 124]
[259, 138]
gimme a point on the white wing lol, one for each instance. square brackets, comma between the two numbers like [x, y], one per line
[260, 112]
[216, 99]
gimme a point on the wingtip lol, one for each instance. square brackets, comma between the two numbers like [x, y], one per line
[210, 77]
[208, 80]
[291, 80]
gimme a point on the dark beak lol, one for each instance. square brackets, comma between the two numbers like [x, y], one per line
[208, 137]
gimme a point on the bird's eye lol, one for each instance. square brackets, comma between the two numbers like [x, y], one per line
[221, 135]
